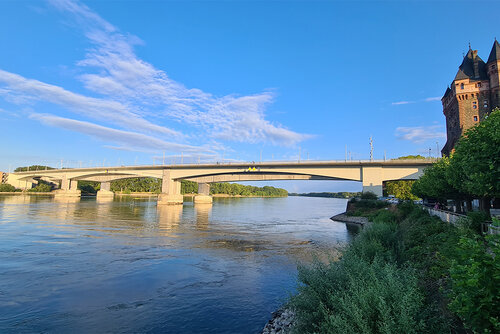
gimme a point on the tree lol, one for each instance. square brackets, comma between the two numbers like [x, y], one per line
[401, 189]
[435, 183]
[31, 168]
[475, 165]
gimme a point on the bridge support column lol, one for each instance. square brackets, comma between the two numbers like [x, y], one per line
[203, 194]
[372, 178]
[69, 188]
[170, 190]
[105, 193]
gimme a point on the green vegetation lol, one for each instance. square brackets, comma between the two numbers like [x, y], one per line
[328, 194]
[472, 171]
[153, 185]
[31, 168]
[42, 187]
[89, 187]
[238, 189]
[369, 195]
[407, 273]
[410, 157]
[400, 189]
[7, 188]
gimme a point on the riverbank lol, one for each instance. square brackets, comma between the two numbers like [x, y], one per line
[407, 272]
[147, 194]
[29, 193]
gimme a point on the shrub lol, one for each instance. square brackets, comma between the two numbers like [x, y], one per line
[368, 195]
[5, 187]
[476, 218]
[475, 278]
[41, 188]
[358, 296]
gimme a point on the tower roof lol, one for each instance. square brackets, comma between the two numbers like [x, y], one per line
[472, 67]
[495, 52]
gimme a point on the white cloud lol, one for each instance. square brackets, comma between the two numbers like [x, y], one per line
[127, 139]
[430, 99]
[115, 71]
[420, 134]
[402, 102]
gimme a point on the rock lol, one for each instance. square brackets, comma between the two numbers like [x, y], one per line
[281, 322]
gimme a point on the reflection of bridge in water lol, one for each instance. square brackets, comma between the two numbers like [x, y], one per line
[371, 174]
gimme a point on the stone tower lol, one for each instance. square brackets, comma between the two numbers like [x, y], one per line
[472, 95]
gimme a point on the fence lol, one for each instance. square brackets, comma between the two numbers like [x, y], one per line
[446, 216]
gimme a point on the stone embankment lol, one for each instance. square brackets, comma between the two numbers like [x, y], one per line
[281, 322]
[350, 219]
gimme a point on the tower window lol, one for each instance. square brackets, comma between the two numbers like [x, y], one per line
[474, 105]
[479, 84]
[475, 118]
[461, 86]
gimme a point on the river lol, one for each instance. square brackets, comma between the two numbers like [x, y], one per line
[129, 267]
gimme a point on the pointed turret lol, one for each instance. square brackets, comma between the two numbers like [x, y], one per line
[472, 67]
[495, 52]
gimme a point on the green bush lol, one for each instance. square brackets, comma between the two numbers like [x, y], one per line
[358, 296]
[475, 279]
[476, 218]
[368, 195]
[5, 187]
[41, 188]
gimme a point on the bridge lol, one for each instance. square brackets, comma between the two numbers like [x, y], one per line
[371, 174]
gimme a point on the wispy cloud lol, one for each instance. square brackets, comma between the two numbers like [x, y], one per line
[402, 102]
[427, 99]
[142, 105]
[125, 138]
[114, 70]
[419, 134]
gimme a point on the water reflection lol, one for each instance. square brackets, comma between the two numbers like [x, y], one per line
[169, 217]
[203, 211]
[132, 266]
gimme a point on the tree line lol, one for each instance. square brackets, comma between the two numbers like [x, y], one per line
[471, 172]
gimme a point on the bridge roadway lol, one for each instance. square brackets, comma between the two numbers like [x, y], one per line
[372, 174]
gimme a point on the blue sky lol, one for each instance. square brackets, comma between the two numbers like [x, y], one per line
[125, 82]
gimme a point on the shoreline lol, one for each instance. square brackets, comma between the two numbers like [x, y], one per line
[344, 218]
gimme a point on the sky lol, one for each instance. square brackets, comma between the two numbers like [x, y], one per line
[92, 83]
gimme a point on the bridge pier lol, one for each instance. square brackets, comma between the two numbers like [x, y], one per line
[105, 193]
[170, 190]
[69, 189]
[203, 196]
[372, 179]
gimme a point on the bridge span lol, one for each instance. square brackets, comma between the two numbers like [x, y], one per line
[372, 174]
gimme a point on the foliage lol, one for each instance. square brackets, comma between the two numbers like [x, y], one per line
[368, 195]
[5, 187]
[238, 189]
[475, 165]
[42, 187]
[364, 292]
[435, 183]
[401, 189]
[137, 184]
[32, 167]
[89, 187]
[476, 218]
[457, 275]
[189, 187]
[475, 279]
[148, 184]
[410, 157]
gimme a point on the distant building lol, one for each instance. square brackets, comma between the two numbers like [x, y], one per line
[473, 94]
[3, 177]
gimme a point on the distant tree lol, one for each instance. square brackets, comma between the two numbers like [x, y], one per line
[41, 188]
[5, 187]
[369, 195]
[401, 189]
[89, 187]
[32, 168]
[410, 157]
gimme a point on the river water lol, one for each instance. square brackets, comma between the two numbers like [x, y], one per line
[127, 266]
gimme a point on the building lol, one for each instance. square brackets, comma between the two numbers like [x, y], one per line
[473, 94]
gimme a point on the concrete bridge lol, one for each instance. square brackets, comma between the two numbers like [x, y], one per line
[372, 174]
